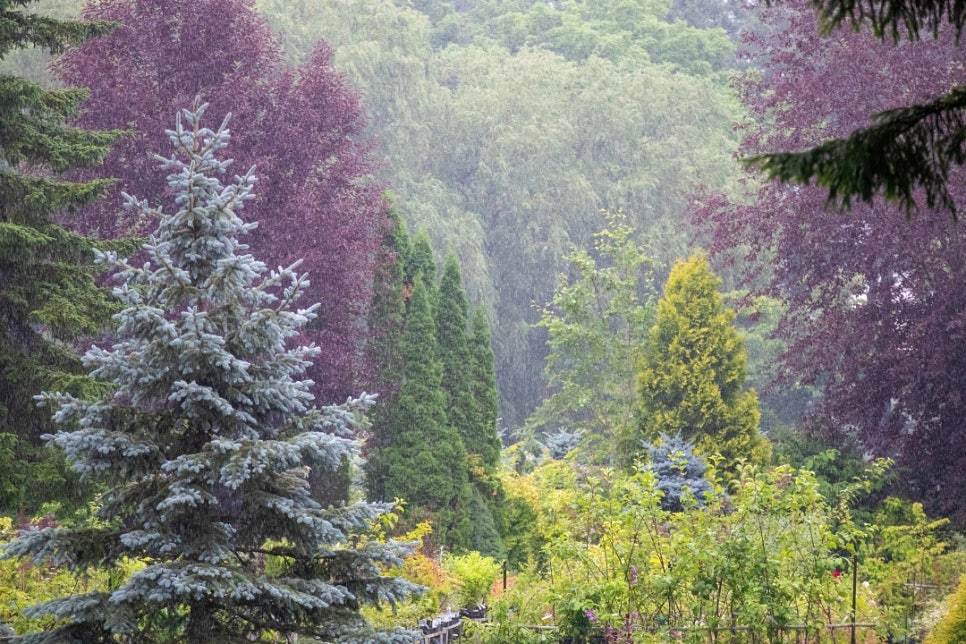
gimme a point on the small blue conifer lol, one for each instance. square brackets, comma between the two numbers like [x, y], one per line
[679, 471]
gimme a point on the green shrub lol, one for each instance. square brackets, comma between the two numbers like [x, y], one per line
[951, 629]
[475, 575]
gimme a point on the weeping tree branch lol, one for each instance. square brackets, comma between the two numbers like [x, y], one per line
[907, 148]
[893, 17]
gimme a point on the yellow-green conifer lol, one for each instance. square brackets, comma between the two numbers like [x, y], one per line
[692, 382]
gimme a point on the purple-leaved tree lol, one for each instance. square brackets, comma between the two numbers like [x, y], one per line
[876, 303]
[301, 128]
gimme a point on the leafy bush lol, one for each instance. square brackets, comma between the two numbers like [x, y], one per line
[475, 575]
[515, 611]
[618, 561]
[952, 627]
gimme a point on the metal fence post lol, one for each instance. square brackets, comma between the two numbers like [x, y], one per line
[855, 578]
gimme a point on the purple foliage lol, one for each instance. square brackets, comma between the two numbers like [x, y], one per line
[876, 303]
[301, 128]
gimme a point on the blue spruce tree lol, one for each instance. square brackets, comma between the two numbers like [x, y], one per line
[680, 473]
[206, 443]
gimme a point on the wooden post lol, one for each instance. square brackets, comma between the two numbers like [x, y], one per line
[504, 576]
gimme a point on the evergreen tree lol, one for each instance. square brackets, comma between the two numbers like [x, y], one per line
[693, 376]
[206, 442]
[452, 314]
[387, 317]
[425, 458]
[466, 413]
[678, 469]
[420, 261]
[47, 293]
[483, 435]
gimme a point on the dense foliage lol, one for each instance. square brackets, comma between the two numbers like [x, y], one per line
[205, 443]
[506, 150]
[692, 379]
[765, 558]
[873, 303]
[48, 298]
[425, 459]
[506, 128]
[434, 441]
[952, 628]
[300, 126]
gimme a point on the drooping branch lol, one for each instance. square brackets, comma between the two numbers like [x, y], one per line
[907, 149]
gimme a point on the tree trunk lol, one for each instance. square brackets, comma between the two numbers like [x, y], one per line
[200, 622]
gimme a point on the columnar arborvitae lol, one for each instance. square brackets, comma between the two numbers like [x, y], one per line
[206, 442]
[425, 460]
[692, 382]
[466, 413]
[483, 433]
[387, 317]
[420, 261]
[47, 293]
[452, 313]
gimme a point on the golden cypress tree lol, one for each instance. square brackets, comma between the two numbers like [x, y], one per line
[692, 382]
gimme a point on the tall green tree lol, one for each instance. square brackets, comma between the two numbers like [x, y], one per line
[483, 434]
[482, 441]
[463, 381]
[48, 298]
[425, 460]
[206, 442]
[597, 323]
[387, 319]
[692, 382]
[421, 263]
[452, 318]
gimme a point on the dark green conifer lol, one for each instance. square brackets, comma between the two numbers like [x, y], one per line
[47, 293]
[425, 459]
[420, 261]
[462, 382]
[483, 434]
[454, 351]
[384, 347]
[483, 440]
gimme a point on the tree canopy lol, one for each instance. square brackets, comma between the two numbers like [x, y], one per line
[48, 298]
[907, 154]
[205, 443]
[872, 310]
[509, 126]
